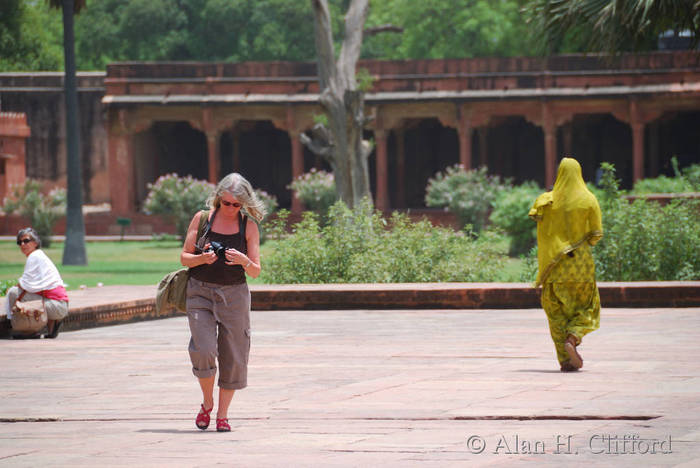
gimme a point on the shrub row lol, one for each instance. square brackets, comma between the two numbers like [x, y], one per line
[360, 246]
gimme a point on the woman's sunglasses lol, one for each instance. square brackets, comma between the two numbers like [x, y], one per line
[23, 241]
[233, 204]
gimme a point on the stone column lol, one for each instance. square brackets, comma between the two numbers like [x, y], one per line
[637, 124]
[382, 201]
[297, 168]
[550, 154]
[465, 142]
[213, 158]
[549, 127]
[121, 175]
[637, 151]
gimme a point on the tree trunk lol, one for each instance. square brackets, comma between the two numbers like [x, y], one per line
[346, 152]
[74, 247]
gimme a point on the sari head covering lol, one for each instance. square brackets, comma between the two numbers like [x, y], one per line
[566, 217]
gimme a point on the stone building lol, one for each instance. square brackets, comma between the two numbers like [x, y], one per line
[518, 116]
[13, 135]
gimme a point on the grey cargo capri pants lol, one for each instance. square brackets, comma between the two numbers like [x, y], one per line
[219, 318]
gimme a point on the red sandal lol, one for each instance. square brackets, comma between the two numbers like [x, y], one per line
[203, 418]
[222, 425]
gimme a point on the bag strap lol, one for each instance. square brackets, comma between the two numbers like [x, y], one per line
[203, 228]
[243, 221]
[203, 221]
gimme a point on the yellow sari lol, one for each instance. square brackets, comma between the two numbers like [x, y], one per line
[568, 222]
[566, 217]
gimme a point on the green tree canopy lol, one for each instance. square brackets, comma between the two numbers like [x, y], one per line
[242, 30]
[448, 29]
[30, 37]
[204, 30]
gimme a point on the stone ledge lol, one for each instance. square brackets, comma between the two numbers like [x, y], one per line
[462, 295]
[106, 306]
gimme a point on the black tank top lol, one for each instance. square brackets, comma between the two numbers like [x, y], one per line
[218, 272]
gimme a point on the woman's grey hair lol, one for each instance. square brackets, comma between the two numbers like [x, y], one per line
[31, 233]
[236, 185]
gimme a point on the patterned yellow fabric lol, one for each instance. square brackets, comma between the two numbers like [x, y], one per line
[567, 217]
[575, 267]
[572, 309]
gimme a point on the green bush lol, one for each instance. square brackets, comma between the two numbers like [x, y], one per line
[661, 184]
[692, 175]
[358, 246]
[469, 195]
[645, 241]
[509, 213]
[42, 210]
[528, 274]
[177, 199]
[316, 190]
[5, 285]
[686, 180]
[269, 201]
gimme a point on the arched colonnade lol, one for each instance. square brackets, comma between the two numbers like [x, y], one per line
[519, 138]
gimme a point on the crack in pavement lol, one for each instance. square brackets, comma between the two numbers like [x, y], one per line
[566, 417]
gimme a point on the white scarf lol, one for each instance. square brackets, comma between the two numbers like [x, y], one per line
[40, 273]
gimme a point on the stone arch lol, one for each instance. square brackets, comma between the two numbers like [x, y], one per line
[673, 134]
[514, 148]
[429, 147]
[265, 158]
[167, 147]
[597, 138]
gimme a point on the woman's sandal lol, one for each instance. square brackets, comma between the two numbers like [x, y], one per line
[203, 418]
[222, 425]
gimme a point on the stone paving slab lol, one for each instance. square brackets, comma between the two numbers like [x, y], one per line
[363, 388]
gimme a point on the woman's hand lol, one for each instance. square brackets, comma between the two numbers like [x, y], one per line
[208, 256]
[235, 257]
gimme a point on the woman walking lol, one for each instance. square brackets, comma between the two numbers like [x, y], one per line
[218, 300]
[568, 223]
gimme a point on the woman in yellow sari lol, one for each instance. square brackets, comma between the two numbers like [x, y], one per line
[568, 223]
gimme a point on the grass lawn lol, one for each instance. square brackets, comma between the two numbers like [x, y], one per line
[112, 263]
[109, 263]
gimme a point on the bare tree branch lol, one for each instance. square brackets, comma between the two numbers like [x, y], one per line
[324, 44]
[319, 143]
[382, 28]
[352, 43]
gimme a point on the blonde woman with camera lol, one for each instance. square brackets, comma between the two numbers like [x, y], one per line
[218, 299]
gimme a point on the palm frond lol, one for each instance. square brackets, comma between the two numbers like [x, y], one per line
[614, 25]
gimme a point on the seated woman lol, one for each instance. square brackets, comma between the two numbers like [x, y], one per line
[40, 281]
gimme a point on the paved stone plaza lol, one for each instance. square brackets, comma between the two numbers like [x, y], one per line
[363, 388]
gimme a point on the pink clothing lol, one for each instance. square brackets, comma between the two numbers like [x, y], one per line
[58, 294]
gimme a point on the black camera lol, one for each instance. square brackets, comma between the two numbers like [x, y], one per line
[218, 248]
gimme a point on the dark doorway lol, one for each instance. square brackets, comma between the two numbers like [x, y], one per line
[515, 149]
[266, 158]
[674, 134]
[598, 138]
[429, 147]
[165, 148]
